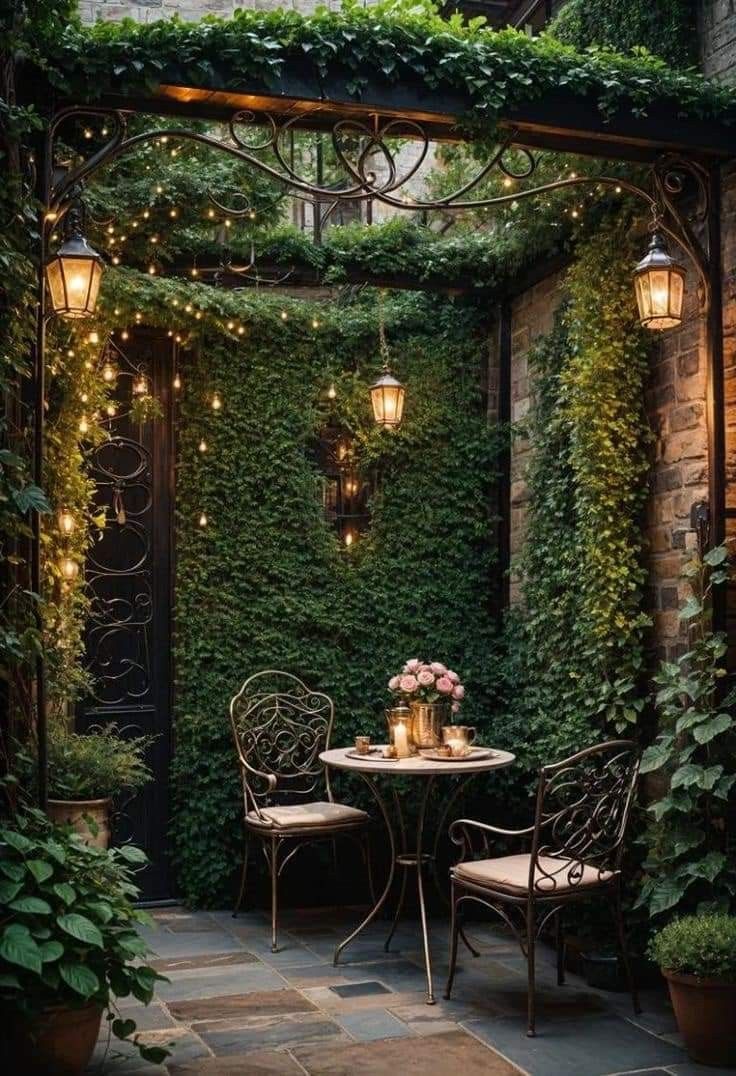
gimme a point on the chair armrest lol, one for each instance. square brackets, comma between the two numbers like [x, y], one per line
[248, 770]
[464, 823]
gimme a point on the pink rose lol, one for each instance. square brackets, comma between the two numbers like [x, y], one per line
[438, 668]
[444, 686]
[425, 677]
[408, 684]
[458, 692]
[393, 684]
[456, 707]
[412, 665]
[453, 676]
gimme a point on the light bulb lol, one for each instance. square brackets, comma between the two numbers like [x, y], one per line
[331, 392]
[110, 409]
[348, 538]
[124, 334]
[241, 330]
[203, 445]
[284, 315]
[94, 337]
[315, 323]
[177, 380]
[140, 386]
[84, 397]
[109, 373]
[139, 318]
[231, 325]
[216, 402]
[151, 270]
[83, 424]
[203, 520]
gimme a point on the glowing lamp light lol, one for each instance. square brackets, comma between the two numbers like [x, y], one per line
[203, 445]
[203, 520]
[69, 569]
[387, 397]
[177, 380]
[216, 402]
[73, 278]
[659, 282]
[109, 373]
[66, 522]
[140, 386]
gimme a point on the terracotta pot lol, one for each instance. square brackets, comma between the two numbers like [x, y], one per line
[60, 1042]
[77, 812]
[705, 1010]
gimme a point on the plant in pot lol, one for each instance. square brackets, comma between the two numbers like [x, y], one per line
[85, 772]
[68, 947]
[697, 956]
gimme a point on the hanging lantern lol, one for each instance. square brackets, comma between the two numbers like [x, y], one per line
[69, 569]
[109, 373]
[659, 281]
[66, 521]
[387, 397]
[73, 274]
[387, 394]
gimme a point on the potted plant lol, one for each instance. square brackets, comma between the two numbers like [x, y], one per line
[85, 772]
[68, 946]
[697, 956]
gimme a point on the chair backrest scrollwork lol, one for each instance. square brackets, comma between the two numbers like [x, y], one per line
[280, 727]
[583, 808]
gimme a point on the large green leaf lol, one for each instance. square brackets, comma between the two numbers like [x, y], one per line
[16, 840]
[666, 894]
[51, 950]
[80, 978]
[714, 727]
[21, 949]
[40, 869]
[30, 905]
[64, 892]
[81, 928]
[9, 890]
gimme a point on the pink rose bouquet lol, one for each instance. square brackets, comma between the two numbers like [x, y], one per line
[428, 681]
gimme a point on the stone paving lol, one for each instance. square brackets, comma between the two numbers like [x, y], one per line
[234, 1007]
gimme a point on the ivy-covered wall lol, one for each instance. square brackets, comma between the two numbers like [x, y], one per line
[266, 584]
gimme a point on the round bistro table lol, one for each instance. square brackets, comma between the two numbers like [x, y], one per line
[428, 771]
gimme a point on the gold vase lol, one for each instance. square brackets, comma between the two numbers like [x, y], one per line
[427, 719]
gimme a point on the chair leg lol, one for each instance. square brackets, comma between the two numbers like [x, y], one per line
[560, 939]
[274, 893]
[619, 917]
[454, 930]
[531, 932]
[243, 876]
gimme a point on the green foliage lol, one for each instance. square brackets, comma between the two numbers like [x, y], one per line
[69, 932]
[266, 583]
[100, 764]
[394, 43]
[575, 641]
[702, 945]
[689, 866]
[666, 28]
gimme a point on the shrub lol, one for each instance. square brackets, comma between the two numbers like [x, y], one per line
[702, 945]
[69, 928]
[90, 766]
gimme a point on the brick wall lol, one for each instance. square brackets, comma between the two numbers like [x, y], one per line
[717, 19]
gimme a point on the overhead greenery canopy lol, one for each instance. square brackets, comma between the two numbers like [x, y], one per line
[390, 43]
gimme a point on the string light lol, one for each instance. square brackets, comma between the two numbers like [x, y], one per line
[125, 335]
[138, 317]
[109, 373]
[284, 315]
[349, 538]
[231, 325]
[94, 337]
[203, 445]
[315, 323]
[83, 424]
[203, 520]
[151, 270]
[216, 402]
[84, 397]
[115, 260]
[177, 380]
[110, 409]
[331, 392]
[241, 330]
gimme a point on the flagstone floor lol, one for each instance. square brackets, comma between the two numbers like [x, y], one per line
[234, 1007]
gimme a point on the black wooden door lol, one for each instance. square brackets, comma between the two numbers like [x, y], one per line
[129, 581]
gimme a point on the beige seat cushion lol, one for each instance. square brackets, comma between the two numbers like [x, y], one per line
[512, 873]
[302, 815]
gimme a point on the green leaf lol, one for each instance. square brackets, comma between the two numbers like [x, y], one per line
[51, 950]
[709, 867]
[31, 906]
[9, 982]
[131, 854]
[123, 1028]
[40, 869]
[710, 729]
[666, 894]
[16, 840]
[687, 775]
[81, 928]
[64, 892]
[8, 890]
[21, 950]
[80, 978]
[654, 758]
[156, 1055]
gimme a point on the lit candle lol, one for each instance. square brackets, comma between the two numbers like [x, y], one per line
[401, 740]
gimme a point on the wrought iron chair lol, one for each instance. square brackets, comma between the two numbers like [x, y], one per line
[280, 727]
[577, 841]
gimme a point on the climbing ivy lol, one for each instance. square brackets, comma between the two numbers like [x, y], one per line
[401, 41]
[667, 28]
[575, 642]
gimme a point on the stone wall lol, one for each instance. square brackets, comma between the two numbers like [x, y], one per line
[717, 20]
[150, 10]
